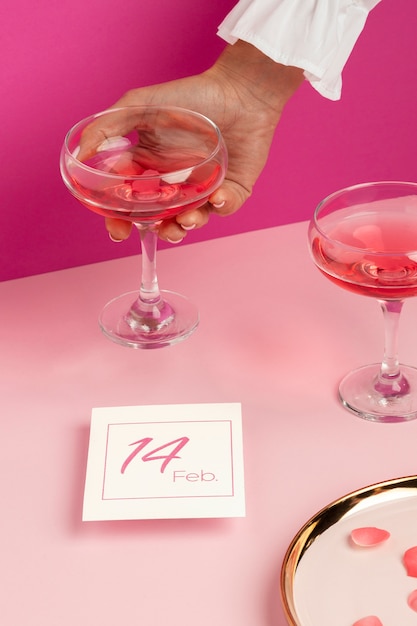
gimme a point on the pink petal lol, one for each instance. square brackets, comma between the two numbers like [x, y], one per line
[410, 561]
[147, 185]
[412, 600]
[371, 620]
[369, 536]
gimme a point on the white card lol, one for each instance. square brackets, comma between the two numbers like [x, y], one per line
[166, 461]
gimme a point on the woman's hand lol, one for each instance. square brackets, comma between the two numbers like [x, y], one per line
[244, 93]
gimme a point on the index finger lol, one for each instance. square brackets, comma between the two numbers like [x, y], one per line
[104, 126]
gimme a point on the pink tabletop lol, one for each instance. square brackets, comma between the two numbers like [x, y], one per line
[275, 336]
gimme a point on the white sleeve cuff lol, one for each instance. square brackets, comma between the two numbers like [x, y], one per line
[315, 35]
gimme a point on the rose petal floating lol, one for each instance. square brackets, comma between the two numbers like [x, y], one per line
[147, 185]
[369, 536]
[412, 600]
[371, 620]
[410, 561]
[119, 163]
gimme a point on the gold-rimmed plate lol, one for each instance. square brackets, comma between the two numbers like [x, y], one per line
[326, 580]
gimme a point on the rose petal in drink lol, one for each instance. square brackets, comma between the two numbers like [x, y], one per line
[369, 236]
[412, 600]
[145, 184]
[122, 164]
[369, 536]
[115, 164]
[410, 561]
[370, 620]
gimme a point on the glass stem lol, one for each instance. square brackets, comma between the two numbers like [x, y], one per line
[390, 381]
[149, 313]
[149, 289]
[391, 310]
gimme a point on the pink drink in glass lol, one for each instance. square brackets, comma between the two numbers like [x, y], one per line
[148, 194]
[372, 257]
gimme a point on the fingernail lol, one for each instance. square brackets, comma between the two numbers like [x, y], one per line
[114, 239]
[219, 205]
[176, 240]
[189, 227]
[114, 143]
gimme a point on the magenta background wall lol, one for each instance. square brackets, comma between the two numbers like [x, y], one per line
[62, 61]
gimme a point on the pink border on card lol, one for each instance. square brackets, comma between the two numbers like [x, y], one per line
[231, 495]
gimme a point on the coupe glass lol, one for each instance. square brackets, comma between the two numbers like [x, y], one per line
[364, 239]
[145, 164]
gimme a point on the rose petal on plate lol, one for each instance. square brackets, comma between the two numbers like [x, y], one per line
[412, 600]
[369, 536]
[410, 561]
[371, 620]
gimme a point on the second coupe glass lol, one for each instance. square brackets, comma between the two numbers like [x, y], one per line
[364, 238]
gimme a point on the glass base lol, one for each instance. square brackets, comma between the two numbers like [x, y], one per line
[362, 392]
[169, 322]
